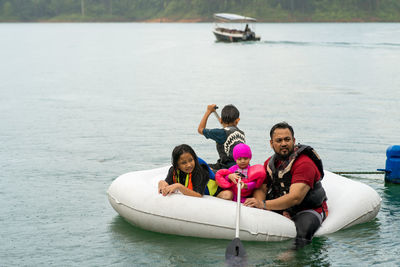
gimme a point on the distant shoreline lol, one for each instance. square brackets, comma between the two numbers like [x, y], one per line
[195, 11]
[198, 20]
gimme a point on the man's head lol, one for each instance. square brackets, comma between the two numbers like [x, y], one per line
[230, 115]
[282, 140]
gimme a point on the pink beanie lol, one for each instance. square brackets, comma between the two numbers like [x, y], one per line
[241, 151]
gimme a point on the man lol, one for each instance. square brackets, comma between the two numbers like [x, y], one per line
[293, 184]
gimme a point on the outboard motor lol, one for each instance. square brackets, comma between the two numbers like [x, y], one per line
[392, 170]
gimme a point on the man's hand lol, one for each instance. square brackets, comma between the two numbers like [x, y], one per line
[252, 202]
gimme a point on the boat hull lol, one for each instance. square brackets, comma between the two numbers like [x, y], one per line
[134, 196]
[231, 37]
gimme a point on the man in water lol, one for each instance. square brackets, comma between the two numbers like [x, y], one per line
[293, 185]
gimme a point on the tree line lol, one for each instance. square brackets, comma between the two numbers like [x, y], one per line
[199, 10]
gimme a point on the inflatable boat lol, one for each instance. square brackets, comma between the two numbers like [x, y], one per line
[134, 196]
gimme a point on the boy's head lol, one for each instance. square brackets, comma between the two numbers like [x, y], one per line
[230, 115]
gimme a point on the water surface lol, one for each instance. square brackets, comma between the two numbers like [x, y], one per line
[81, 104]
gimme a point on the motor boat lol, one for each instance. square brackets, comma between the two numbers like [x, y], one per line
[231, 34]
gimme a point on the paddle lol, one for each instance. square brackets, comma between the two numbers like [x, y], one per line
[235, 250]
[216, 115]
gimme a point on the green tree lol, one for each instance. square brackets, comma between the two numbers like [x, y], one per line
[7, 10]
[264, 10]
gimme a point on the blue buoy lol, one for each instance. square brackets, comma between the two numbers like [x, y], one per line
[392, 170]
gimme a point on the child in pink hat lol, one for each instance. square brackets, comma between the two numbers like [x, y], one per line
[252, 177]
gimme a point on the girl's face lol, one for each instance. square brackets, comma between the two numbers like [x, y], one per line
[243, 162]
[186, 162]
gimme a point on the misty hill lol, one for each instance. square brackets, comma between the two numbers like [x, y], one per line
[199, 10]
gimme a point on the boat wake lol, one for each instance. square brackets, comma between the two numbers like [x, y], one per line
[338, 44]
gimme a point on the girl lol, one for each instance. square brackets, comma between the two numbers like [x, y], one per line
[186, 174]
[252, 177]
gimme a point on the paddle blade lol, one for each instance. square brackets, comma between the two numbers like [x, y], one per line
[235, 249]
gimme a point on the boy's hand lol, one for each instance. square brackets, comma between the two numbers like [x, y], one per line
[211, 108]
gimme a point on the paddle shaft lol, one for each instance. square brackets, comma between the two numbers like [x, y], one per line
[235, 252]
[238, 208]
[217, 116]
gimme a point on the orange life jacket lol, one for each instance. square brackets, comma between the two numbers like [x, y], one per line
[188, 180]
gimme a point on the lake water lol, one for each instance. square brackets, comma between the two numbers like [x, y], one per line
[81, 104]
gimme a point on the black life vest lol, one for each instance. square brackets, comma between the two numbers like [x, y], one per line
[281, 179]
[234, 136]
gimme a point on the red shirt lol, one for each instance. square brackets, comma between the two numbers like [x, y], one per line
[304, 171]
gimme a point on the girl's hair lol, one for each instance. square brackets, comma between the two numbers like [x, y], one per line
[181, 149]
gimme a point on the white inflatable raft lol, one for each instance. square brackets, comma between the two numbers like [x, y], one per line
[134, 196]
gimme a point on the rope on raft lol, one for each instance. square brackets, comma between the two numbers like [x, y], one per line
[361, 172]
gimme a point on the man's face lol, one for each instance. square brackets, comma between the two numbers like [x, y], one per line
[282, 142]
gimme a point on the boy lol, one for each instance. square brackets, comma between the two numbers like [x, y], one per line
[225, 138]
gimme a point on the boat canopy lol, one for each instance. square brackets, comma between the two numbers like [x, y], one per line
[233, 17]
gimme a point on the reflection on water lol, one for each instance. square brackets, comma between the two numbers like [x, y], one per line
[316, 252]
[137, 245]
[391, 195]
[360, 233]
[150, 248]
[236, 261]
[390, 236]
[391, 200]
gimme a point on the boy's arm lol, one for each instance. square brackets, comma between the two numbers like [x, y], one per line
[203, 122]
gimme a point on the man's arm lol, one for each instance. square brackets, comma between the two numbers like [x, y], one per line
[296, 194]
[203, 122]
[259, 195]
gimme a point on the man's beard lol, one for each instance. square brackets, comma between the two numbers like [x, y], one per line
[282, 157]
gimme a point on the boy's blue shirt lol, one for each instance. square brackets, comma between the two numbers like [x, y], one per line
[217, 134]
